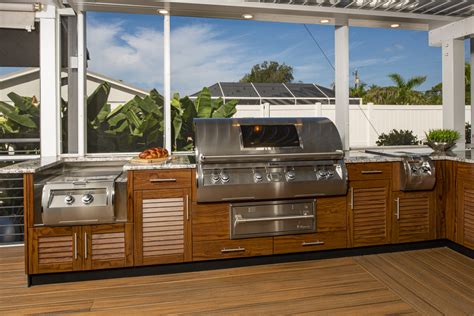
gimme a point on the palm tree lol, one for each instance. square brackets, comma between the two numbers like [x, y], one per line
[405, 93]
[358, 92]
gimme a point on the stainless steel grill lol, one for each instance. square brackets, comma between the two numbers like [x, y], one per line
[268, 158]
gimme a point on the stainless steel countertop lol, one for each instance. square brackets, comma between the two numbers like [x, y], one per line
[183, 161]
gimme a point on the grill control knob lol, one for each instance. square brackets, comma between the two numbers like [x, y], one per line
[225, 177]
[69, 199]
[257, 177]
[323, 174]
[290, 175]
[215, 178]
[87, 198]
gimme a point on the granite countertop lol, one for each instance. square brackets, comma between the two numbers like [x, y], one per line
[188, 161]
[179, 162]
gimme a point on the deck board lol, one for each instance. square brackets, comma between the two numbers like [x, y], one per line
[431, 281]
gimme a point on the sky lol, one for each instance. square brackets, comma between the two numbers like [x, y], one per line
[129, 47]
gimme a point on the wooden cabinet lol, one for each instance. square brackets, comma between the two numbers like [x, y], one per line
[225, 249]
[107, 246]
[465, 212]
[310, 242]
[75, 248]
[413, 216]
[162, 226]
[211, 235]
[369, 212]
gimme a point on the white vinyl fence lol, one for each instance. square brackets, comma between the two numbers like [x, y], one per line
[367, 121]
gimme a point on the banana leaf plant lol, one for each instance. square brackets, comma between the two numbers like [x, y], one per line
[20, 120]
[130, 127]
[184, 111]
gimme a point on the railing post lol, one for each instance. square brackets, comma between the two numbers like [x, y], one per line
[319, 109]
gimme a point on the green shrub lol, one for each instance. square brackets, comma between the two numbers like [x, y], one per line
[448, 136]
[397, 137]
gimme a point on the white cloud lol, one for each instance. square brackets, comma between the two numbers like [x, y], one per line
[375, 61]
[199, 56]
[394, 48]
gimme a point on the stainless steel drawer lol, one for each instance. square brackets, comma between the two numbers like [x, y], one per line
[272, 218]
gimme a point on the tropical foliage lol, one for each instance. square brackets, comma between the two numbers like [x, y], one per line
[404, 91]
[269, 72]
[397, 137]
[20, 120]
[130, 127]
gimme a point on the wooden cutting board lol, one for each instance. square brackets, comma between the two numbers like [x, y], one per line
[155, 160]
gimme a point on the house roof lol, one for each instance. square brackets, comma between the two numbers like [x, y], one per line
[90, 75]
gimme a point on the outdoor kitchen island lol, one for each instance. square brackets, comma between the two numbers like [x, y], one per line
[167, 230]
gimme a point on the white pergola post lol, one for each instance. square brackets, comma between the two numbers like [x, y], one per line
[342, 82]
[453, 88]
[167, 81]
[50, 129]
[472, 90]
[81, 84]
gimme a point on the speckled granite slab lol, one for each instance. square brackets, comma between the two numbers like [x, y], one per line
[184, 162]
[179, 162]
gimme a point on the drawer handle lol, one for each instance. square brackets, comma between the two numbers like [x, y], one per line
[227, 250]
[162, 180]
[312, 243]
[371, 171]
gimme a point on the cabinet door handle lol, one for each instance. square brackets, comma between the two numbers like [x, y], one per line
[227, 250]
[187, 207]
[312, 243]
[397, 212]
[85, 245]
[371, 171]
[75, 246]
[352, 197]
[162, 180]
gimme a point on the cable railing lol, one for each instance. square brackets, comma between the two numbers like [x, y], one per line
[13, 150]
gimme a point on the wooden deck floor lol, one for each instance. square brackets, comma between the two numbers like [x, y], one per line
[430, 282]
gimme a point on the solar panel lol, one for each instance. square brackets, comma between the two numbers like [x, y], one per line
[272, 90]
[238, 90]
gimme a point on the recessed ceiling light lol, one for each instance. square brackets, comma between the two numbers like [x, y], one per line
[247, 16]
[394, 25]
[163, 11]
[324, 21]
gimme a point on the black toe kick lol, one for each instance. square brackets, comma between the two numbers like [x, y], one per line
[239, 262]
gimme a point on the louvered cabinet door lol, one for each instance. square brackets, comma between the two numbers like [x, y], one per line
[369, 212]
[413, 216]
[162, 226]
[107, 246]
[465, 207]
[54, 249]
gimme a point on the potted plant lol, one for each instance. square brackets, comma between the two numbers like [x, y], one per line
[441, 140]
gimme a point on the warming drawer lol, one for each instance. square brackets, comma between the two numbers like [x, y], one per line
[272, 218]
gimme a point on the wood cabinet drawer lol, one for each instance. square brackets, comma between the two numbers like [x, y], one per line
[310, 242]
[161, 179]
[210, 221]
[224, 249]
[369, 171]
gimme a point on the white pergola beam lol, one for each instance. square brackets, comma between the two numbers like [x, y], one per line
[453, 87]
[81, 84]
[457, 30]
[342, 82]
[472, 89]
[50, 129]
[167, 81]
